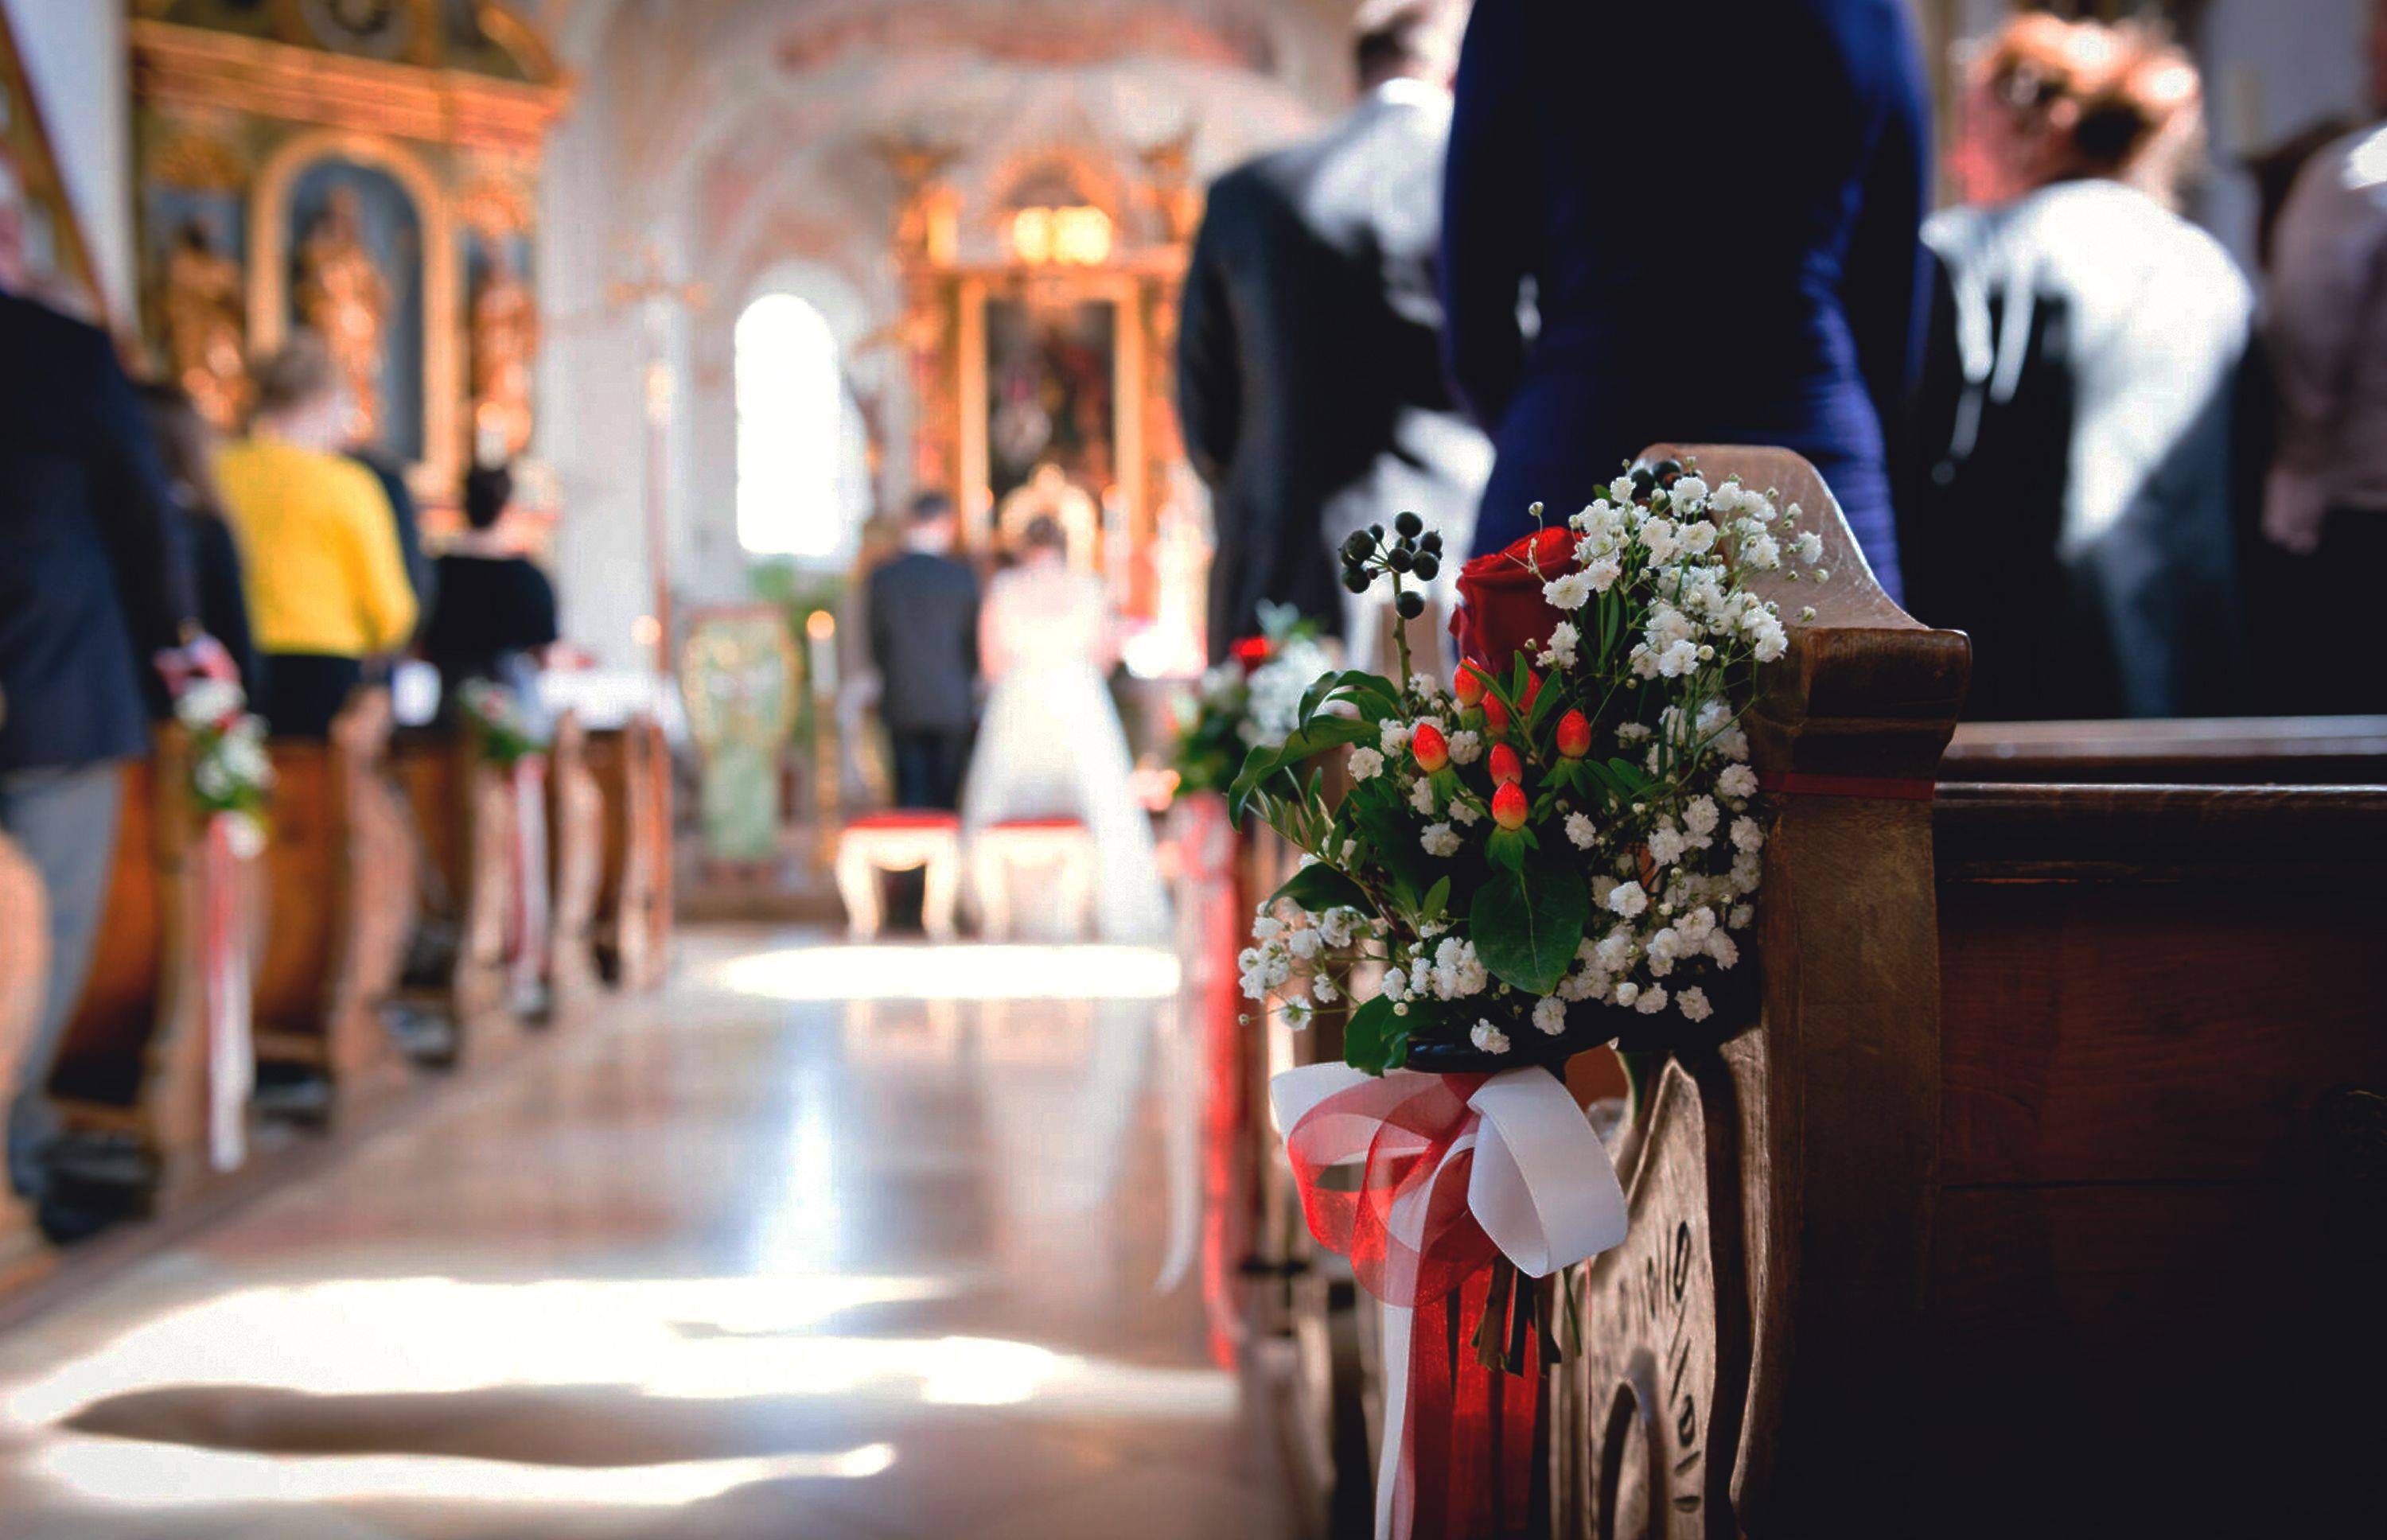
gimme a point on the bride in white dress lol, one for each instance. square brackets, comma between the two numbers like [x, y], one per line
[1049, 745]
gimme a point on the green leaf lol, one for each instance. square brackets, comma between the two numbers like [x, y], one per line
[1527, 925]
[1629, 775]
[1367, 1034]
[1507, 847]
[1437, 900]
[1320, 886]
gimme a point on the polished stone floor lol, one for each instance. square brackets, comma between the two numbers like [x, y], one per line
[824, 1243]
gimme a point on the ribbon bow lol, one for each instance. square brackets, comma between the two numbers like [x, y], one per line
[1452, 1170]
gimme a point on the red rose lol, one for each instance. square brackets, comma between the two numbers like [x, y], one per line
[1509, 807]
[1468, 685]
[1574, 734]
[1432, 750]
[1250, 653]
[1506, 769]
[1496, 716]
[1501, 610]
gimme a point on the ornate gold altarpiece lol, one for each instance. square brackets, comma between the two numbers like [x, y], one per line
[1025, 338]
[368, 167]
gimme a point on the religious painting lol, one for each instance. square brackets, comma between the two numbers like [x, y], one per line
[36, 218]
[198, 287]
[1051, 389]
[355, 245]
[501, 325]
[738, 675]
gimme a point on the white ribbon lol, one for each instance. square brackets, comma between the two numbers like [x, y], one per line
[1542, 1187]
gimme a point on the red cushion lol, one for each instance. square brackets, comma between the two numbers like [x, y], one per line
[904, 817]
[1034, 826]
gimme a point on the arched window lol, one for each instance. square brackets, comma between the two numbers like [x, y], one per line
[801, 483]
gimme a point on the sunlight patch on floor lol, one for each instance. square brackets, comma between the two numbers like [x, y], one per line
[169, 1475]
[961, 971]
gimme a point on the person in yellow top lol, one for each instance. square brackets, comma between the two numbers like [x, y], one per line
[326, 583]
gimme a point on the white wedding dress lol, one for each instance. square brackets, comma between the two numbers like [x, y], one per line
[1051, 745]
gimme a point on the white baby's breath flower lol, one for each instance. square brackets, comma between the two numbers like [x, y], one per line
[1693, 1003]
[1337, 925]
[1687, 490]
[1421, 796]
[1807, 546]
[1746, 837]
[1651, 999]
[1488, 1038]
[1297, 1014]
[1700, 815]
[1570, 593]
[1393, 739]
[1466, 747]
[1737, 780]
[1564, 639]
[1621, 489]
[1627, 992]
[1806, 611]
[244, 836]
[1366, 765]
[1580, 832]
[1667, 844]
[1322, 989]
[1266, 927]
[1549, 1015]
[207, 701]
[1724, 949]
[1632, 732]
[1761, 551]
[1439, 840]
[1396, 985]
[1303, 945]
[1627, 899]
[1463, 812]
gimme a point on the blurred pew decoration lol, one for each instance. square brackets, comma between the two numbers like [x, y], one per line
[631, 767]
[151, 1075]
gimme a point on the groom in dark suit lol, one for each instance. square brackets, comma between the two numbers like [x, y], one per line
[924, 642]
[1310, 379]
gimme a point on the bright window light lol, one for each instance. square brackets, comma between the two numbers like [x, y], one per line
[794, 480]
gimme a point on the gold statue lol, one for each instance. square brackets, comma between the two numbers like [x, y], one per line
[344, 297]
[505, 340]
[206, 343]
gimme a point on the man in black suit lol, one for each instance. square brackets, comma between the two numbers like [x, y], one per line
[924, 641]
[1310, 380]
[96, 587]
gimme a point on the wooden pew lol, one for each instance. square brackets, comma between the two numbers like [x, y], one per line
[135, 1058]
[632, 766]
[2045, 1197]
[462, 810]
[24, 983]
[576, 817]
[2311, 751]
[340, 900]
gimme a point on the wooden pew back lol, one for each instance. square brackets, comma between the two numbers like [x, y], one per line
[24, 987]
[576, 808]
[632, 767]
[340, 870]
[461, 807]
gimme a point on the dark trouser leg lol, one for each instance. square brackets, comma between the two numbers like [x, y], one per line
[65, 821]
[953, 764]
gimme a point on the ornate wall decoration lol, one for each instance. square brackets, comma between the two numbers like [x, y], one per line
[364, 167]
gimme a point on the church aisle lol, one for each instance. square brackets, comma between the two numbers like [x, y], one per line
[782, 1252]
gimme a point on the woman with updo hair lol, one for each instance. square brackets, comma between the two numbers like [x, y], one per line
[2078, 385]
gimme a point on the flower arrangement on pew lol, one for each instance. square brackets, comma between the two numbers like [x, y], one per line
[1253, 697]
[503, 732]
[1563, 849]
[229, 773]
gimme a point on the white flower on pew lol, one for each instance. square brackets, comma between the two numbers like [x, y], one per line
[1700, 815]
[1322, 989]
[1569, 593]
[209, 702]
[1746, 837]
[1687, 491]
[1396, 985]
[1339, 925]
[1807, 546]
[1737, 782]
[1366, 765]
[1580, 831]
[1549, 1015]
[1421, 796]
[1464, 813]
[1298, 1015]
[1439, 840]
[1488, 1038]
[1693, 1003]
[244, 835]
[1457, 972]
[1651, 999]
[1466, 747]
[1627, 899]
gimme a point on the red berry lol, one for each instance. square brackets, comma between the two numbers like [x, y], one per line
[1496, 716]
[1506, 769]
[1574, 734]
[1468, 685]
[1533, 687]
[1433, 750]
[1508, 806]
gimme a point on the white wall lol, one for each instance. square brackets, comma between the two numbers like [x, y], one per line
[2271, 67]
[75, 57]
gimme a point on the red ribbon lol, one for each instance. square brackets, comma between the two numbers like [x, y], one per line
[1801, 783]
[1465, 1468]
